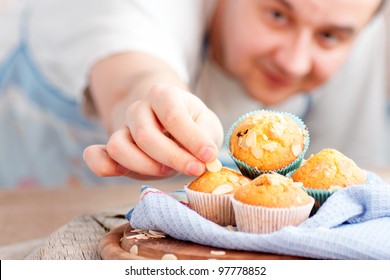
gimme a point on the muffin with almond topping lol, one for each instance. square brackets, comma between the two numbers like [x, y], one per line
[270, 202]
[263, 141]
[208, 195]
[326, 172]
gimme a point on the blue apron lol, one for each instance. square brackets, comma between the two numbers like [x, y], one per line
[42, 132]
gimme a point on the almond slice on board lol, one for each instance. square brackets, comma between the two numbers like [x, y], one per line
[169, 257]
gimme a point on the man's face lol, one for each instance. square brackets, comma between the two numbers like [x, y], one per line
[276, 48]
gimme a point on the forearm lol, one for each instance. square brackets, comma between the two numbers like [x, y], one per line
[120, 80]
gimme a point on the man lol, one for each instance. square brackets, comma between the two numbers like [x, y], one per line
[274, 49]
[164, 78]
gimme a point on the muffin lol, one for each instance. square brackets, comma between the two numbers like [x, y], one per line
[269, 203]
[326, 172]
[208, 195]
[264, 141]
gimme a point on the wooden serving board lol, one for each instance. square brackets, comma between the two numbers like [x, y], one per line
[115, 246]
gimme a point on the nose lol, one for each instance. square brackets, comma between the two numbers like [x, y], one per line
[295, 56]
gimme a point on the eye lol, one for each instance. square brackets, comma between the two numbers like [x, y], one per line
[328, 39]
[277, 16]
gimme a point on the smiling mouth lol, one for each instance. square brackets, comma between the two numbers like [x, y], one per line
[277, 79]
[274, 75]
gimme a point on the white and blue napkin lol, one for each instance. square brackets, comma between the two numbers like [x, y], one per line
[354, 223]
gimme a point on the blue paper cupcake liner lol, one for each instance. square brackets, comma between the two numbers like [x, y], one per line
[320, 195]
[253, 172]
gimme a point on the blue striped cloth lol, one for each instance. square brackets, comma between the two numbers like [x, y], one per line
[354, 223]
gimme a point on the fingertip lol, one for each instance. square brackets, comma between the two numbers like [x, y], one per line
[195, 168]
[208, 153]
[85, 153]
[99, 162]
[89, 155]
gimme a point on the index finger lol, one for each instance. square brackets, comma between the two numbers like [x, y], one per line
[180, 121]
[152, 140]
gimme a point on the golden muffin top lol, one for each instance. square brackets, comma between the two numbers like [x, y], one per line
[273, 190]
[224, 181]
[267, 140]
[330, 170]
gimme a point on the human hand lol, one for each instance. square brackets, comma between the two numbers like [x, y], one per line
[168, 131]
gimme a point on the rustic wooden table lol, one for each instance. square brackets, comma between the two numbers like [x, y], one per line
[35, 219]
[28, 216]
